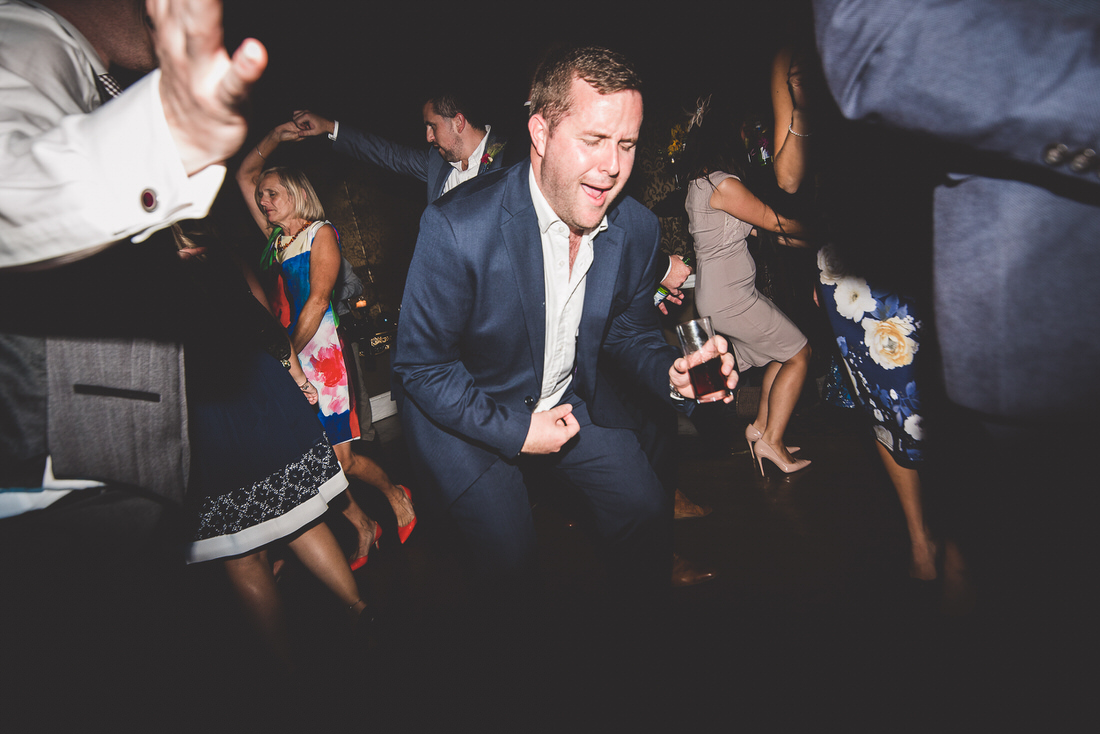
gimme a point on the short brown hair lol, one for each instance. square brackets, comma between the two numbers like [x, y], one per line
[449, 104]
[607, 71]
[306, 204]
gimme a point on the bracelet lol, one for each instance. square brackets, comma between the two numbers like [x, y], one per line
[674, 393]
[265, 158]
[305, 385]
[789, 129]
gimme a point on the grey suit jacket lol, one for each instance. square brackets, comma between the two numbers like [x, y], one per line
[1017, 230]
[92, 372]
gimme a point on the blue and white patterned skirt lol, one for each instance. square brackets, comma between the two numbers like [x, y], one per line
[878, 333]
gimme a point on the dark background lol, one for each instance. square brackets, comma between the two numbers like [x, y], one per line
[373, 63]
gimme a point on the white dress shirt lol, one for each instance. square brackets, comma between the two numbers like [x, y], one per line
[73, 173]
[473, 165]
[564, 296]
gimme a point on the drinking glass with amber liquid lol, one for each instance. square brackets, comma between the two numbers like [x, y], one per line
[707, 379]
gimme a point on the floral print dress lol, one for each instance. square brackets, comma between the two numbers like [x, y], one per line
[878, 333]
[323, 357]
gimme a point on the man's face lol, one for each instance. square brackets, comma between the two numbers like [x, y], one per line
[442, 133]
[583, 163]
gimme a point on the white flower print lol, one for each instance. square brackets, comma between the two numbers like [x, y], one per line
[912, 426]
[853, 298]
[829, 265]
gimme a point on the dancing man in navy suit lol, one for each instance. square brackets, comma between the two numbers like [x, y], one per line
[522, 283]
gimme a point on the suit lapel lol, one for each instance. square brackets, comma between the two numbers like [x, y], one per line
[607, 251]
[442, 171]
[520, 231]
[498, 156]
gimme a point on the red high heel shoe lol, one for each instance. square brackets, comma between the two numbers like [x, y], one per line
[764, 451]
[361, 561]
[404, 531]
[752, 436]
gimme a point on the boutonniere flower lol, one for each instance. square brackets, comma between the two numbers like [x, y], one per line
[492, 152]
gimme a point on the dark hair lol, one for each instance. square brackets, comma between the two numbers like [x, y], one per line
[713, 144]
[452, 102]
[607, 71]
[716, 144]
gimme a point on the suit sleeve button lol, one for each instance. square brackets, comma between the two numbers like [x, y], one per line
[529, 401]
[1055, 154]
[1084, 161]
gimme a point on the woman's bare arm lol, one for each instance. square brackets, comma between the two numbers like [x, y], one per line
[324, 266]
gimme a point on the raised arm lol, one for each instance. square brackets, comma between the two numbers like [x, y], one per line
[792, 119]
[254, 163]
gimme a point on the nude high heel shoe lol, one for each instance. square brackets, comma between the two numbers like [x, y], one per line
[752, 436]
[764, 451]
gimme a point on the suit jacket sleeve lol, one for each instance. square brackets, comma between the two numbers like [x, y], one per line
[365, 146]
[634, 339]
[1008, 78]
[434, 338]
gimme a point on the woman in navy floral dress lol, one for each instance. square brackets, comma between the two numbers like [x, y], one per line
[871, 295]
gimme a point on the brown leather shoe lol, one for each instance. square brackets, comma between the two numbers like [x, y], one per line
[685, 574]
[685, 509]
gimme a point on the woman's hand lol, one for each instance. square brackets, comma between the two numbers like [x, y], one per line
[286, 132]
[309, 391]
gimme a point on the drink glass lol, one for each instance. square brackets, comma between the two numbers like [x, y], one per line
[707, 379]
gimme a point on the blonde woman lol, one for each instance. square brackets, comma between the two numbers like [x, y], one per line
[307, 249]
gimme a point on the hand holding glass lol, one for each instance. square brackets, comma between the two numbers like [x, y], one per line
[707, 379]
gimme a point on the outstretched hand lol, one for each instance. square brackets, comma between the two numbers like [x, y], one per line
[203, 90]
[309, 123]
[550, 430]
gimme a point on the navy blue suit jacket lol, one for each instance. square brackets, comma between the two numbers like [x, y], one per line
[470, 343]
[423, 163]
[1017, 235]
